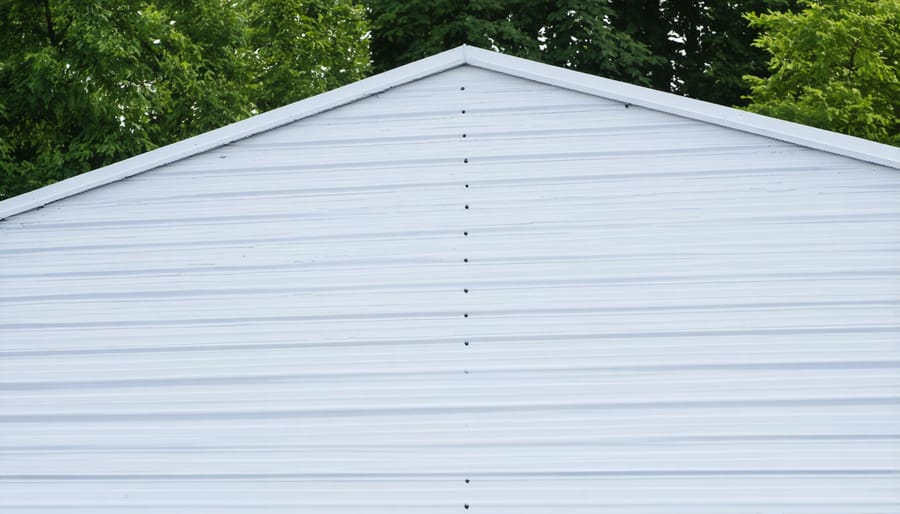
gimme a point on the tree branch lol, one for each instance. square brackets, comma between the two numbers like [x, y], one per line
[48, 15]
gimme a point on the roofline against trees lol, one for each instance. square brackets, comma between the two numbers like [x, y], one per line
[802, 135]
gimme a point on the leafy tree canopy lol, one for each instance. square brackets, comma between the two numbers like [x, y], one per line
[571, 33]
[834, 65]
[707, 46]
[84, 83]
[304, 47]
[698, 49]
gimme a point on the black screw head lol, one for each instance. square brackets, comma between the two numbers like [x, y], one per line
[465, 260]
[465, 233]
[467, 480]
[466, 315]
[467, 344]
[466, 161]
[463, 111]
[465, 290]
[466, 506]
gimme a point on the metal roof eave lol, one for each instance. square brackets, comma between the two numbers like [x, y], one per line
[636, 95]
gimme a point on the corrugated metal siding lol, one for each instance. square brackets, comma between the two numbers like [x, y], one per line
[472, 290]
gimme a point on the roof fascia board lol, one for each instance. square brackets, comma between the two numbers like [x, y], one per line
[803, 135]
[231, 133]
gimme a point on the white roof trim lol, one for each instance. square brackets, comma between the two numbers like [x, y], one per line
[666, 102]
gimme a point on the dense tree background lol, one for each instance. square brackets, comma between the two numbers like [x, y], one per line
[835, 65]
[700, 49]
[84, 83]
[707, 45]
[574, 33]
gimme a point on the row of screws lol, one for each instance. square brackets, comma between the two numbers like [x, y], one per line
[465, 260]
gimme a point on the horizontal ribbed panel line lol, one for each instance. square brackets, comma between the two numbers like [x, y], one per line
[312, 217]
[354, 264]
[401, 503]
[535, 228]
[487, 475]
[543, 133]
[462, 409]
[257, 379]
[857, 329]
[452, 288]
[512, 502]
[481, 181]
[193, 220]
[612, 441]
[885, 329]
[591, 109]
[475, 158]
[243, 242]
[427, 315]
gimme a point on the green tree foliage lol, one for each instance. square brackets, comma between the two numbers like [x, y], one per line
[579, 34]
[707, 45]
[571, 33]
[405, 31]
[305, 47]
[834, 65]
[700, 49]
[84, 83]
[644, 21]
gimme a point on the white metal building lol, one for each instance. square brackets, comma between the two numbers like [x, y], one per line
[474, 283]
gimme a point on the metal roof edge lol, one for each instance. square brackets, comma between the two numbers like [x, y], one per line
[233, 132]
[803, 135]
